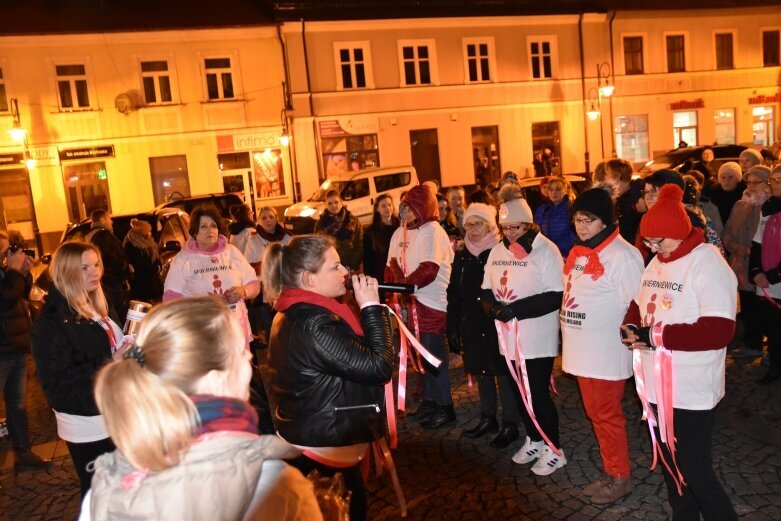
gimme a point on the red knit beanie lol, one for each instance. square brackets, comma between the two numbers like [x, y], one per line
[667, 219]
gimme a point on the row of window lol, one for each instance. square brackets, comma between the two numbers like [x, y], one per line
[157, 80]
[418, 65]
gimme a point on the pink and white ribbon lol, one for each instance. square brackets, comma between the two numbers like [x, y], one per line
[663, 384]
[519, 373]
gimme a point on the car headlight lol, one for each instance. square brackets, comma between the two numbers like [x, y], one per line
[308, 212]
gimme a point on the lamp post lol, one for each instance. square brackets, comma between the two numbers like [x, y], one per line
[595, 113]
[606, 90]
[19, 135]
[286, 139]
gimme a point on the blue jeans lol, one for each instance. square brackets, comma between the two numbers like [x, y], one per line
[13, 382]
[436, 381]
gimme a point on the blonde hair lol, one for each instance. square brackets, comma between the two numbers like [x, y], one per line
[565, 186]
[66, 273]
[147, 410]
[282, 265]
[268, 209]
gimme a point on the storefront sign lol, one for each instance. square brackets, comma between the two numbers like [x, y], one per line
[249, 141]
[86, 153]
[44, 155]
[762, 99]
[343, 127]
[11, 159]
[688, 104]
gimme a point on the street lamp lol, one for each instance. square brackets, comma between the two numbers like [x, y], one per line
[606, 90]
[593, 97]
[18, 134]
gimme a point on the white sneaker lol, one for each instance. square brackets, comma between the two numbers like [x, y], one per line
[529, 452]
[548, 462]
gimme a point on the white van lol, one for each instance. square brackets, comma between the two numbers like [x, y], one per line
[358, 189]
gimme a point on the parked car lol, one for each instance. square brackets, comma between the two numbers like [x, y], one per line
[222, 202]
[678, 157]
[169, 229]
[358, 190]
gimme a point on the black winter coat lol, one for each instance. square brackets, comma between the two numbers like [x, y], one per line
[68, 352]
[467, 319]
[319, 365]
[14, 312]
[145, 284]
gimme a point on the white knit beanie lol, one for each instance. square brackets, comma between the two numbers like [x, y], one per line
[484, 211]
[515, 211]
[731, 167]
[755, 155]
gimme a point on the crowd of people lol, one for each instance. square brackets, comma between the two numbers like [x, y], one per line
[632, 277]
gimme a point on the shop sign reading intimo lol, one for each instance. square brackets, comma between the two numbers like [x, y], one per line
[248, 141]
[698, 103]
[70, 154]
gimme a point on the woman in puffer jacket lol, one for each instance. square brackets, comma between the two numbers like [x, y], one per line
[327, 365]
[187, 440]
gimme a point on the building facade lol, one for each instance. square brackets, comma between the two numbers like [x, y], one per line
[125, 120]
[464, 99]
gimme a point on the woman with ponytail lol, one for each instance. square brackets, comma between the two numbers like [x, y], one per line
[327, 365]
[175, 405]
[75, 334]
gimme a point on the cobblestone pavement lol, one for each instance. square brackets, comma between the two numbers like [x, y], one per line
[447, 476]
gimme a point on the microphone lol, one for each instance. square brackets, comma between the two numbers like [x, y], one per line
[388, 287]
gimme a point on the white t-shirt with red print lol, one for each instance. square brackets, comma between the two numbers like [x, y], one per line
[592, 312]
[428, 243]
[774, 290]
[512, 278]
[196, 273]
[700, 284]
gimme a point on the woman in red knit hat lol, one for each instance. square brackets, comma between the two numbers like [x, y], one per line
[679, 325]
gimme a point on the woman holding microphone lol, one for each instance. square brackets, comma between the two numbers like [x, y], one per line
[328, 366]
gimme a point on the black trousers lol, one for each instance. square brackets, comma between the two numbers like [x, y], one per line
[508, 394]
[83, 454]
[703, 493]
[539, 371]
[771, 317]
[754, 328]
[352, 480]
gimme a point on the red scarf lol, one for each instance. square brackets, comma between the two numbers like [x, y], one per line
[593, 266]
[695, 238]
[292, 296]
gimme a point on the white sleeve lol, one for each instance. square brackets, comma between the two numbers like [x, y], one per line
[760, 229]
[239, 263]
[716, 285]
[393, 248]
[435, 247]
[176, 280]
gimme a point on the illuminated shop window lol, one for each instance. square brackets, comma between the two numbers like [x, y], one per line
[685, 128]
[724, 123]
[632, 138]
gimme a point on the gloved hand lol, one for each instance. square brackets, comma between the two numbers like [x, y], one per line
[501, 312]
[454, 342]
[396, 272]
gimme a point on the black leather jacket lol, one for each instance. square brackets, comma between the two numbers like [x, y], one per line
[68, 353]
[327, 381]
[14, 312]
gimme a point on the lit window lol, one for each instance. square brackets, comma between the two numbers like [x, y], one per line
[479, 59]
[724, 123]
[219, 78]
[72, 87]
[542, 57]
[353, 65]
[156, 81]
[685, 128]
[417, 62]
[632, 138]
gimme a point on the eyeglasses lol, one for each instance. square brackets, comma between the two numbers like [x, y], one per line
[751, 183]
[473, 226]
[511, 227]
[653, 245]
[585, 221]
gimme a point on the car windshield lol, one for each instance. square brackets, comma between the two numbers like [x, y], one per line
[319, 195]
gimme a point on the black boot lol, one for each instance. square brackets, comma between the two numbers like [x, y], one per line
[484, 426]
[507, 435]
[25, 460]
[424, 411]
[444, 415]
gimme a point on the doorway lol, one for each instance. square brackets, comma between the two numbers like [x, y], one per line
[546, 145]
[424, 145]
[485, 153]
[86, 188]
[16, 203]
